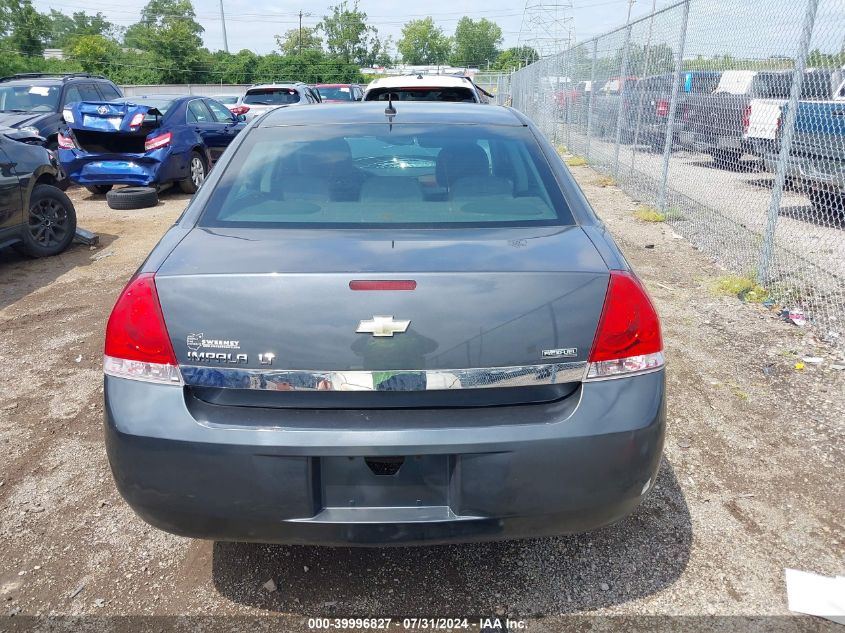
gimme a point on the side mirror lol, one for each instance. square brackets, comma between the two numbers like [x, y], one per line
[240, 118]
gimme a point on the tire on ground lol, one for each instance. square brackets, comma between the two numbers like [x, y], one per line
[51, 222]
[132, 198]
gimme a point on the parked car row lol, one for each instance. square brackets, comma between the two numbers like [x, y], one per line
[727, 115]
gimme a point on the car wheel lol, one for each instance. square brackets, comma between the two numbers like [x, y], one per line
[727, 158]
[99, 190]
[51, 223]
[132, 198]
[196, 174]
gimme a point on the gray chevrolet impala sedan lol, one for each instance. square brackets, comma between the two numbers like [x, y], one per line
[380, 326]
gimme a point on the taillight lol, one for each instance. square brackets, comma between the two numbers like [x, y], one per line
[662, 107]
[65, 142]
[628, 336]
[137, 344]
[157, 142]
[746, 119]
[137, 120]
[238, 110]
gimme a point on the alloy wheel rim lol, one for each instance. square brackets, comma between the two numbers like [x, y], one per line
[197, 171]
[48, 222]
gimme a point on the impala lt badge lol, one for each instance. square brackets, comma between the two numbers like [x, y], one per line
[382, 326]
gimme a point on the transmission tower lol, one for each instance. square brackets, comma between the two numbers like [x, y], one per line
[547, 27]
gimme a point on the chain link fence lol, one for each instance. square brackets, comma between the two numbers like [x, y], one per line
[728, 119]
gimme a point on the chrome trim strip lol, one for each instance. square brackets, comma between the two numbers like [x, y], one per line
[400, 380]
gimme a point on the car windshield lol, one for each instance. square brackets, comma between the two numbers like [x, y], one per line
[226, 99]
[29, 98]
[271, 96]
[384, 176]
[337, 93]
[421, 94]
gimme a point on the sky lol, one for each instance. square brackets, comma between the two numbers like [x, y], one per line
[251, 24]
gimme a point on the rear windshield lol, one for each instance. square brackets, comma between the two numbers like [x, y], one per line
[387, 176]
[338, 93]
[162, 105]
[421, 94]
[226, 99]
[271, 96]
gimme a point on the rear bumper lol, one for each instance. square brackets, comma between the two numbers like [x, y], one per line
[586, 468]
[139, 170]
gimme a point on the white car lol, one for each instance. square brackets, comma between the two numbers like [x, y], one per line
[263, 97]
[426, 88]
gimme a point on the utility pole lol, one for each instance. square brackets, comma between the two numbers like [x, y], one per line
[223, 22]
[300, 31]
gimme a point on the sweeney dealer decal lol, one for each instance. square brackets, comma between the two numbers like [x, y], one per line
[198, 346]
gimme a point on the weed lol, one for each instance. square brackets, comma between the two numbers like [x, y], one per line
[649, 214]
[604, 181]
[745, 288]
[576, 161]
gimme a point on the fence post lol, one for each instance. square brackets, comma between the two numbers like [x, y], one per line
[673, 107]
[590, 99]
[786, 141]
[567, 92]
[623, 72]
[642, 72]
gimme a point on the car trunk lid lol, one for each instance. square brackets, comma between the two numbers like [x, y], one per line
[242, 302]
[107, 127]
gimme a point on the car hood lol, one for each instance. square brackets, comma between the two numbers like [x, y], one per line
[22, 119]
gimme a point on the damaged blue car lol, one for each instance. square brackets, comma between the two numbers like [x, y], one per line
[153, 141]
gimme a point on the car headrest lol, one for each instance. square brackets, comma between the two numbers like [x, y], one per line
[460, 161]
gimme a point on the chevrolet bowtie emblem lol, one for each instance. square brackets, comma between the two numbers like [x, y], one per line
[382, 326]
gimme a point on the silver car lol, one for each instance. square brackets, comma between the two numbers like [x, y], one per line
[264, 97]
[385, 326]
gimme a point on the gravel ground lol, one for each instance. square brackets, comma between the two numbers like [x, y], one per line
[751, 481]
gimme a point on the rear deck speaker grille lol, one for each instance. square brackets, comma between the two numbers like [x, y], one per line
[384, 465]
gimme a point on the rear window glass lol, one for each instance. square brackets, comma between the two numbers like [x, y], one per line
[162, 105]
[271, 96]
[227, 99]
[337, 93]
[387, 176]
[421, 94]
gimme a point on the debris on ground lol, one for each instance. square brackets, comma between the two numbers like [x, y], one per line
[270, 586]
[86, 237]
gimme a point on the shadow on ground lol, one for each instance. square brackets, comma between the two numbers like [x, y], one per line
[640, 555]
[21, 275]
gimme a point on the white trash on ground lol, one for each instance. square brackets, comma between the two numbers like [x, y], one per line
[816, 595]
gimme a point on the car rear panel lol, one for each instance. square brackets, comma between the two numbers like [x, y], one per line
[494, 299]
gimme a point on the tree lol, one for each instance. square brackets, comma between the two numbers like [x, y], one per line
[64, 28]
[295, 41]
[515, 57]
[424, 43]
[476, 42]
[168, 29]
[347, 34]
[94, 53]
[24, 28]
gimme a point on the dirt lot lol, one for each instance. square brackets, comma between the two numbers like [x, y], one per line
[751, 482]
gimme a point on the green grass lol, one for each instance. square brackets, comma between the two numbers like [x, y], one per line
[576, 161]
[745, 288]
[649, 214]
